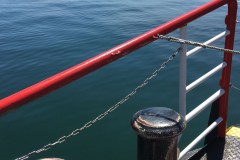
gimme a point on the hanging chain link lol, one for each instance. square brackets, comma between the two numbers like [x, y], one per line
[101, 116]
[234, 87]
[183, 41]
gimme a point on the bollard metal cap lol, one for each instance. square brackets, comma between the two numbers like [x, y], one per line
[158, 123]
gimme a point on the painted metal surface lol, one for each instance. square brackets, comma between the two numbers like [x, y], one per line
[226, 73]
[157, 129]
[205, 76]
[210, 41]
[158, 122]
[183, 73]
[63, 78]
[200, 137]
[233, 131]
[204, 104]
[220, 149]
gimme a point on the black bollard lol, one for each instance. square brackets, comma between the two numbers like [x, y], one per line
[158, 129]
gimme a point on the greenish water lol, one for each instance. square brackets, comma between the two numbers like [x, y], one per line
[41, 38]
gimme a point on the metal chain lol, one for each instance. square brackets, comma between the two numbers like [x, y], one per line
[183, 41]
[101, 116]
[234, 87]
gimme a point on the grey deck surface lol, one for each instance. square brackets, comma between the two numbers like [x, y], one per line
[220, 149]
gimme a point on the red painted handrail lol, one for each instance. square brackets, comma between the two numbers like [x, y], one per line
[59, 80]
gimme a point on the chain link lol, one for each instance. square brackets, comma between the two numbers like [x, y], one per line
[234, 87]
[183, 41]
[101, 116]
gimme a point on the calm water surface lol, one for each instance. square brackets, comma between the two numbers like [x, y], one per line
[41, 38]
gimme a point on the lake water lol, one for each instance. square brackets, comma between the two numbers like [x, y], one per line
[41, 38]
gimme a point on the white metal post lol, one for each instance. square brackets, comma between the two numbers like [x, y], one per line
[183, 73]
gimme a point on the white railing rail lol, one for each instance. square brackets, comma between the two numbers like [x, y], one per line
[201, 136]
[184, 89]
[204, 105]
[210, 41]
[205, 76]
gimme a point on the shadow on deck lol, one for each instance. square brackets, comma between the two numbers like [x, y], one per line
[219, 149]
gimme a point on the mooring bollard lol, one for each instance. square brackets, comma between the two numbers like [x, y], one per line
[158, 129]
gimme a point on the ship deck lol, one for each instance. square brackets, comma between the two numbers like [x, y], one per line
[219, 149]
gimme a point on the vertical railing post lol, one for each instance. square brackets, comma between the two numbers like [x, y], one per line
[226, 73]
[158, 129]
[183, 73]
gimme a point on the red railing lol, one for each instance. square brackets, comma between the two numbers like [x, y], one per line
[63, 78]
[226, 73]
